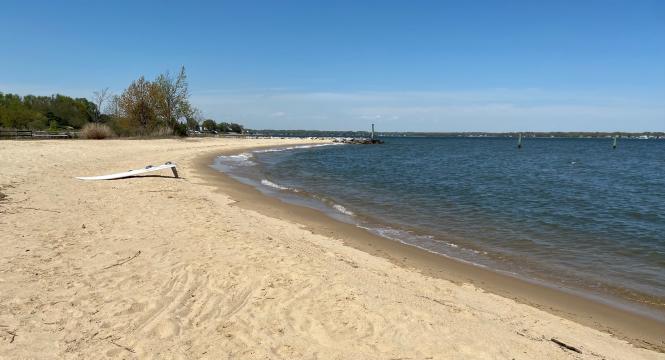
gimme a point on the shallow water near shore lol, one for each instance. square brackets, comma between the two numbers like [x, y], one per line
[569, 212]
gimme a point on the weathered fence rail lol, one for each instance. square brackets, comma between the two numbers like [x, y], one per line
[15, 134]
[29, 134]
[53, 135]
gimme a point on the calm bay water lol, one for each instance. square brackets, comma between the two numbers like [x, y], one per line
[569, 212]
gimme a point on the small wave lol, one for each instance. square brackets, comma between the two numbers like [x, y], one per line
[268, 150]
[294, 147]
[406, 238]
[242, 156]
[273, 185]
[243, 159]
[343, 210]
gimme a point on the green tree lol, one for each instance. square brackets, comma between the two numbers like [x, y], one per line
[137, 106]
[209, 124]
[192, 123]
[194, 119]
[236, 128]
[37, 112]
[223, 127]
[171, 97]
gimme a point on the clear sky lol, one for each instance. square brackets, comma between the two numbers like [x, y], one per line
[341, 65]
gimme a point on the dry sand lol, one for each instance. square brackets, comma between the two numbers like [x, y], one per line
[156, 267]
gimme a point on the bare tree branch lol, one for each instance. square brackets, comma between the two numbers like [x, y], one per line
[99, 98]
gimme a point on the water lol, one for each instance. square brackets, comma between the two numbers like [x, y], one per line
[569, 212]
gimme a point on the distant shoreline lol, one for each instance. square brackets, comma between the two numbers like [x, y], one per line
[642, 135]
[637, 328]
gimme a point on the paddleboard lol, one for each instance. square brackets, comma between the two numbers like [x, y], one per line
[130, 173]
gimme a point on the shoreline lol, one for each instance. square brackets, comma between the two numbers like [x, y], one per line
[155, 266]
[639, 329]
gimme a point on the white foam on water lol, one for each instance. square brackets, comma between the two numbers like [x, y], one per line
[295, 147]
[402, 236]
[342, 209]
[271, 184]
[243, 159]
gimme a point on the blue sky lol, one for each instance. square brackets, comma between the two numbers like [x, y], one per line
[411, 65]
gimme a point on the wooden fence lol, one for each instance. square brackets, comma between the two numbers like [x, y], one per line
[15, 134]
[29, 134]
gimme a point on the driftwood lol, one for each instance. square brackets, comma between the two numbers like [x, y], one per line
[123, 346]
[566, 346]
[125, 260]
[13, 334]
[31, 208]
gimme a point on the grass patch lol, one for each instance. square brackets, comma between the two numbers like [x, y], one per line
[96, 131]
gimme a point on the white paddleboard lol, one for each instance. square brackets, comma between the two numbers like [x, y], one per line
[129, 173]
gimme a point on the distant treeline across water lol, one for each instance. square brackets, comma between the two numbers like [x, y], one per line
[557, 134]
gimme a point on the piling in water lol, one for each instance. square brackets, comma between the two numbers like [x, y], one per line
[614, 143]
[519, 141]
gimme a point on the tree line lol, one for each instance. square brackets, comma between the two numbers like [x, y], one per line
[223, 127]
[42, 112]
[158, 107]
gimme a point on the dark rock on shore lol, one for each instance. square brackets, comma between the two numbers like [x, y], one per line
[363, 141]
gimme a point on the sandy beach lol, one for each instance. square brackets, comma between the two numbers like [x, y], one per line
[202, 267]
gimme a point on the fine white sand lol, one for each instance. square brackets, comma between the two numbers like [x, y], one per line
[156, 267]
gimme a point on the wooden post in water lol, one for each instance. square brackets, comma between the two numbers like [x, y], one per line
[372, 132]
[519, 141]
[614, 143]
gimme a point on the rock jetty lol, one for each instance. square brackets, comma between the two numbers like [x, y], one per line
[363, 141]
